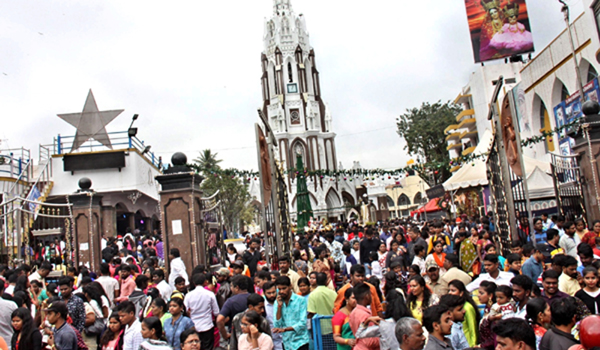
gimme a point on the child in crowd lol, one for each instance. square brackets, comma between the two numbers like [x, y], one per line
[504, 307]
[491, 249]
[419, 259]
[590, 294]
[414, 270]
[376, 269]
[514, 264]
[304, 286]
[487, 296]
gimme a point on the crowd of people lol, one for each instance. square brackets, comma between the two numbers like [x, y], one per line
[399, 284]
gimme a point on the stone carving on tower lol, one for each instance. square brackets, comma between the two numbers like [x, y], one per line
[294, 107]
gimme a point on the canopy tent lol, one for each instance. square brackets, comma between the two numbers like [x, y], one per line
[430, 207]
[474, 174]
[540, 184]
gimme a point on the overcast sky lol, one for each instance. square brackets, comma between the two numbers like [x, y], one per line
[191, 69]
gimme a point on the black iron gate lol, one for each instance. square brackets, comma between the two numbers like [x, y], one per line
[570, 200]
[501, 206]
[496, 184]
[284, 221]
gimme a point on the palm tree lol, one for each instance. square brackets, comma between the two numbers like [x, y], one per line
[207, 160]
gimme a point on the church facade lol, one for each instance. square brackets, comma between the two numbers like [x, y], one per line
[297, 114]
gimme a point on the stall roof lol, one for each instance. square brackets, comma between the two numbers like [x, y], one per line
[474, 174]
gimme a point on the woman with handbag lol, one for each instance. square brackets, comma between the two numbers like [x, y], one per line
[95, 323]
[26, 336]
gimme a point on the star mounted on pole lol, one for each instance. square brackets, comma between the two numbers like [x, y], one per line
[90, 123]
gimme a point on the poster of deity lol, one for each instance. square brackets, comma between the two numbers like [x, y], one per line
[499, 28]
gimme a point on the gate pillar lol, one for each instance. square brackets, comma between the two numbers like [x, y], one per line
[180, 210]
[86, 216]
[587, 147]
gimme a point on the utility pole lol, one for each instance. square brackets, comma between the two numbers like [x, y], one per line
[565, 10]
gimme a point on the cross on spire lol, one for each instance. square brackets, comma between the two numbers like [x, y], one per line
[280, 6]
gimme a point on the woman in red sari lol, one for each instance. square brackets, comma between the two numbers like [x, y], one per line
[342, 334]
[590, 236]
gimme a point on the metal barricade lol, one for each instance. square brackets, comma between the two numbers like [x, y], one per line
[322, 333]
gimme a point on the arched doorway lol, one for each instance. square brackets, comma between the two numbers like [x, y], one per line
[123, 218]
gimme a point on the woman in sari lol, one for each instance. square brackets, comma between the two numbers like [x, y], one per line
[470, 253]
[580, 229]
[590, 237]
[323, 264]
[342, 334]
[438, 256]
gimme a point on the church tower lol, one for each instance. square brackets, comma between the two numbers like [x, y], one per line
[295, 110]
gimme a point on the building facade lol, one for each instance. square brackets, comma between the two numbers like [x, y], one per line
[406, 195]
[551, 77]
[296, 112]
[464, 135]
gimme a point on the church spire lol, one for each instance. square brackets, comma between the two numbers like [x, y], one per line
[281, 6]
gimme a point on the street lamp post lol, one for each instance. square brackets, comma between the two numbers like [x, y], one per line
[566, 12]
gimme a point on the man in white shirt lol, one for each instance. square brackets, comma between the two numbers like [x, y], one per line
[6, 309]
[133, 328]
[570, 240]
[158, 277]
[110, 285]
[546, 222]
[501, 278]
[202, 306]
[42, 272]
[419, 259]
[177, 267]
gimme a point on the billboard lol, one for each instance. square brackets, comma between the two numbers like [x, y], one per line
[499, 28]
[569, 110]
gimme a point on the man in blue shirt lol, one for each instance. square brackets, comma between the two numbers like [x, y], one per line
[586, 256]
[534, 266]
[63, 336]
[539, 232]
[290, 316]
[457, 336]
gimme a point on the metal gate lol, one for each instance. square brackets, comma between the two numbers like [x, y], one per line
[281, 233]
[214, 245]
[501, 206]
[29, 229]
[570, 200]
[496, 183]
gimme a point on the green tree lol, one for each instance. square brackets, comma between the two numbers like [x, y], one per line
[423, 130]
[233, 193]
[207, 160]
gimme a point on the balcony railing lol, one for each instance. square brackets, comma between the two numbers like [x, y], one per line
[118, 140]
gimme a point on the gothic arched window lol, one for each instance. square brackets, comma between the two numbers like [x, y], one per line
[564, 93]
[592, 74]
[403, 200]
[418, 198]
[390, 202]
[290, 72]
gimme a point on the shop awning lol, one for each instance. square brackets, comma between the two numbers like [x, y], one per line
[430, 207]
[474, 173]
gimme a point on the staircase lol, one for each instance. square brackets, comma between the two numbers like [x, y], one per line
[39, 190]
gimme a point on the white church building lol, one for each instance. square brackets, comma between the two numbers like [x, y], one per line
[297, 114]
